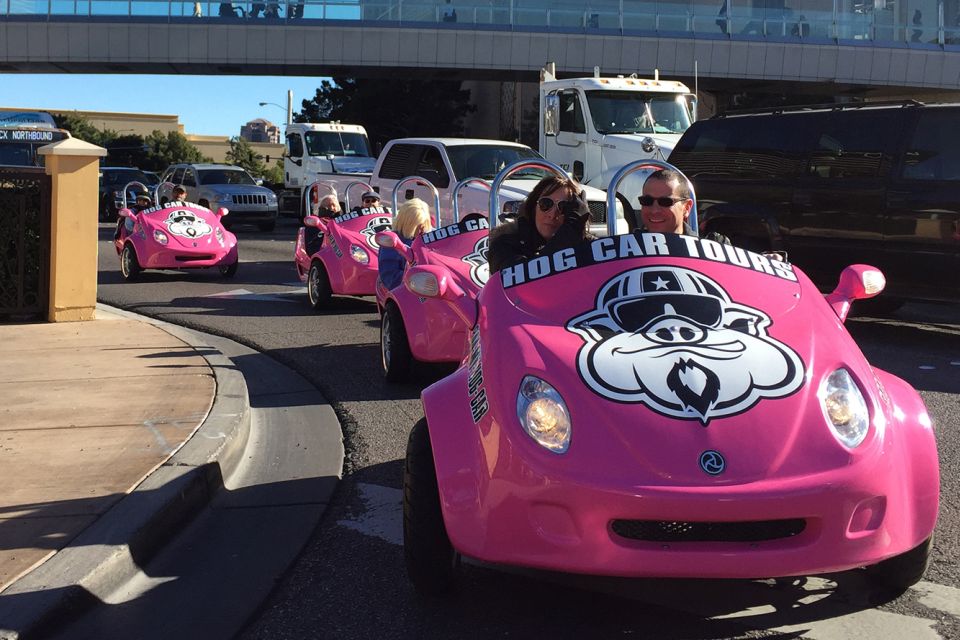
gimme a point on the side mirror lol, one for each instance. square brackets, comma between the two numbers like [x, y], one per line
[311, 221]
[551, 115]
[222, 211]
[857, 282]
[387, 239]
[126, 213]
[648, 144]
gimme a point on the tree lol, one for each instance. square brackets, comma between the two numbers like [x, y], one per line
[243, 155]
[164, 149]
[391, 108]
[81, 129]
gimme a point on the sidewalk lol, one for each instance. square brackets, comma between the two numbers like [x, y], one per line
[91, 411]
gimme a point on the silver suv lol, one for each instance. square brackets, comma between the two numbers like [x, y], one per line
[223, 185]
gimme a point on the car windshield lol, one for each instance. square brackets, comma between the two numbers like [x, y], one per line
[336, 143]
[631, 112]
[123, 176]
[486, 161]
[225, 176]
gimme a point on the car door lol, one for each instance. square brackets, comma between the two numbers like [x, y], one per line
[839, 199]
[921, 226]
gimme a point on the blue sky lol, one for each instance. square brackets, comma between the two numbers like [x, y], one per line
[206, 105]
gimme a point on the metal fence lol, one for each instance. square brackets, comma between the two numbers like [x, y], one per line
[924, 22]
[24, 243]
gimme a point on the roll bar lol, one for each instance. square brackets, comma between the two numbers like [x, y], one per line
[306, 194]
[507, 171]
[456, 193]
[633, 167]
[139, 184]
[421, 181]
[346, 192]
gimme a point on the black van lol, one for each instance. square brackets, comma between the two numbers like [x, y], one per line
[836, 185]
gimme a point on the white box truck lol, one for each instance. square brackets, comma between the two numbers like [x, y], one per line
[594, 126]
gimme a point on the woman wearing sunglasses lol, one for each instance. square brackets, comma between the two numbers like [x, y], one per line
[554, 216]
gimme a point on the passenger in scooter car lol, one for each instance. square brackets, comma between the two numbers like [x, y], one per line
[328, 207]
[665, 206]
[412, 219]
[554, 216]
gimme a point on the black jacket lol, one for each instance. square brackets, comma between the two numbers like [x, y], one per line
[518, 241]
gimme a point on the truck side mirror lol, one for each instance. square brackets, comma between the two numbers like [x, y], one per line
[551, 114]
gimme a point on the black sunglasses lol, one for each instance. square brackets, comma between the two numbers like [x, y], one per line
[545, 204]
[665, 201]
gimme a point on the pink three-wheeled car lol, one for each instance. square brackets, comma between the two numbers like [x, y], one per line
[414, 328]
[345, 262]
[660, 405]
[174, 235]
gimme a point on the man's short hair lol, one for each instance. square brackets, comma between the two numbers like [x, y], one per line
[672, 177]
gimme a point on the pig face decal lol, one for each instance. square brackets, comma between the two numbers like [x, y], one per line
[375, 226]
[672, 339]
[477, 259]
[187, 224]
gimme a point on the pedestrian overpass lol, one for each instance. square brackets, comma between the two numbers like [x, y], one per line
[907, 44]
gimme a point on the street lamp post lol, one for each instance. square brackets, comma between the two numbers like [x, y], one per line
[289, 108]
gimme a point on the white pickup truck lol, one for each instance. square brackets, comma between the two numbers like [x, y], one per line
[446, 161]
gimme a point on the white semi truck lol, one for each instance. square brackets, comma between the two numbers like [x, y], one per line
[594, 126]
[334, 154]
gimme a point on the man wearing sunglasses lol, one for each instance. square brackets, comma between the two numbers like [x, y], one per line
[665, 203]
[553, 216]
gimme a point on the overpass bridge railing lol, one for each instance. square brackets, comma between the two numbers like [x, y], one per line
[923, 23]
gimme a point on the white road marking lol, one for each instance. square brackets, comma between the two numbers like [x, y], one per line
[383, 517]
[281, 296]
[940, 597]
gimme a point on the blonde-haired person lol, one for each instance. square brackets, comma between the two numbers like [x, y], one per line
[412, 219]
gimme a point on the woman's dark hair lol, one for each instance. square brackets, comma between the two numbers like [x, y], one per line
[528, 208]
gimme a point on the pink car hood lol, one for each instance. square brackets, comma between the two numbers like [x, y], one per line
[667, 348]
[189, 227]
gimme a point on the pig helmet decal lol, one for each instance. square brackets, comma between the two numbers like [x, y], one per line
[187, 224]
[672, 339]
[477, 259]
[375, 226]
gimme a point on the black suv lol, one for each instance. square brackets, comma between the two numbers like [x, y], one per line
[836, 185]
[112, 182]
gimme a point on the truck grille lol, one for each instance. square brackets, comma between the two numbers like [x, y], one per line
[598, 211]
[249, 198]
[669, 531]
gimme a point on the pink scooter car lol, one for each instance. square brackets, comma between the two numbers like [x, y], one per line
[413, 328]
[664, 406]
[346, 261]
[175, 235]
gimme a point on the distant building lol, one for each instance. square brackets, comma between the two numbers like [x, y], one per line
[260, 130]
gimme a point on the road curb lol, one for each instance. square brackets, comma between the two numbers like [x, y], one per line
[110, 551]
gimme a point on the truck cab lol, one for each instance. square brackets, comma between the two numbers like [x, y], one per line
[329, 151]
[593, 126]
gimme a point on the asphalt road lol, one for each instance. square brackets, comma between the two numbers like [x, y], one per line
[349, 581]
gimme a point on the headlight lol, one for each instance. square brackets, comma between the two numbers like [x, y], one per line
[160, 236]
[543, 414]
[359, 254]
[271, 197]
[844, 407]
[219, 235]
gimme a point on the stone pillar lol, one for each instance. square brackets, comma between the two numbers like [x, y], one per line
[73, 167]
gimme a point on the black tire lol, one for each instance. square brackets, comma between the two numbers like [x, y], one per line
[129, 263]
[318, 286]
[394, 347]
[432, 563]
[903, 571]
[229, 270]
[267, 226]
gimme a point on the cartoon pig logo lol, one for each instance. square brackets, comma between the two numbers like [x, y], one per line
[375, 226]
[187, 224]
[672, 339]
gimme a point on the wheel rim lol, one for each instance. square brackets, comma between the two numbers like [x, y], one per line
[125, 262]
[313, 283]
[385, 340]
